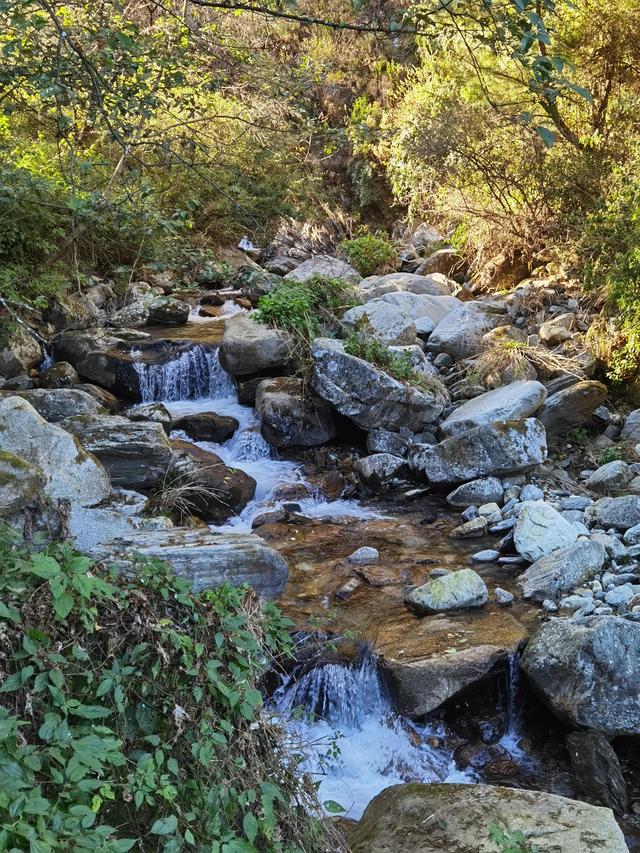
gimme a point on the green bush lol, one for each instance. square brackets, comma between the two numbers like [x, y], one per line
[370, 254]
[131, 714]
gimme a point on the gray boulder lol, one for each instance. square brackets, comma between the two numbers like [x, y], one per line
[136, 454]
[135, 315]
[445, 818]
[422, 305]
[445, 262]
[562, 570]
[397, 282]
[167, 311]
[597, 770]
[19, 352]
[156, 412]
[206, 426]
[56, 404]
[631, 429]
[541, 529]
[588, 672]
[510, 402]
[70, 472]
[379, 469]
[455, 591]
[477, 492]
[572, 407]
[206, 559]
[59, 375]
[504, 447]
[21, 483]
[387, 323]
[324, 265]
[383, 441]
[610, 478]
[368, 395]
[291, 416]
[249, 347]
[622, 512]
[460, 333]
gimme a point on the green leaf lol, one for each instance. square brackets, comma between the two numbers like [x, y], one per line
[89, 712]
[165, 826]
[62, 605]
[250, 826]
[332, 807]
[9, 613]
[44, 566]
[546, 135]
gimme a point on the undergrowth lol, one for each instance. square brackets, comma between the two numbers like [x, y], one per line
[370, 254]
[132, 718]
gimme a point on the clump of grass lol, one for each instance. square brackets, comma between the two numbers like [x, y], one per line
[371, 254]
[514, 360]
[397, 365]
[181, 496]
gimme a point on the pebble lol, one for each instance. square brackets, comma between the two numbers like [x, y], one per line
[439, 573]
[549, 606]
[619, 595]
[486, 556]
[531, 493]
[470, 513]
[363, 556]
[575, 502]
[505, 524]
[502, 597]
[511, 561]
[470, 529]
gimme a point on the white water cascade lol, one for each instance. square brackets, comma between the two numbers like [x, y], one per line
[336, 705]
[194, 375]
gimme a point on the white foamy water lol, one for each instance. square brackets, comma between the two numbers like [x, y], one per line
[336, 705]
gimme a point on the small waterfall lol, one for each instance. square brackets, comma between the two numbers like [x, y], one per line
[513, 680]
[195, 374]
[340, 717]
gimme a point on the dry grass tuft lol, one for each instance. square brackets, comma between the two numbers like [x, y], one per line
[514, 359]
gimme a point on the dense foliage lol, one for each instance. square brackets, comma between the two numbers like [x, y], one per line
[370, 254]
[132, 717]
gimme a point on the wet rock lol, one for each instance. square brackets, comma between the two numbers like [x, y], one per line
[59, 375]
[156, 412]
[621, 513]
[18, 383]
[221, 491]
[460, 332]
[274, 516]
[21, 484]
[206, 559]
[597, 770]
[569, 409]
[19, 352]
[631, 429]
[477, 492]
[368, 395]
[428, 285]
[541, 529]
[135, 315]
[493, 449]
[502, 597]
[102, 396]
[168, 312]
[562, 570]
[385, 322]
[486, 556]
[206, 426]
[470, 529]
[70, 472]
[416, 818]
[56, 404]
[88, 527]
[455, 591]
[364, 556]
[348, 588]
[379, 469]
[383, 441]
[292, 416]
[610, 478]
[515, 401]
[248, 347]
[135, 454]
[324, 265]
[588, 672]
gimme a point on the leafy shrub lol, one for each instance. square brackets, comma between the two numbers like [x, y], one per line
[398, 365]
[131, 714]
[370, 254]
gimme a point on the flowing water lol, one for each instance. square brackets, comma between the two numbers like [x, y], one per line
[355, 743]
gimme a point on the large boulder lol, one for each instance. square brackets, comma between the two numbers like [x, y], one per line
[135, 315]
[572, 407]
[445, 818]
[631, 428]
[622, 512]
[291, 416]
[504, 447]
[206, 559]
[515, 401]
[588, 672]
[597, 770]
[56, 404]
[21, 483]
[383, 321]
[206, 426]
[398, 282]
[562, 570]
[541, 529]
[59, 375]
[324, 265]
[167, 311]
[446, 262]
[379, 469]
[70, 472]
[460, 333]
[455, 591]
[368, 395]
[217, 491]
[248, 347]
[420, 305]
[611, 478]
[119, 518]
[136, 454]
[19, 352]
[477, 492]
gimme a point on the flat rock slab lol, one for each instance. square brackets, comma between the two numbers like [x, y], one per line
[541, 529]
[563, 570]
[514, 401]
[207, 559]
[440, 818]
